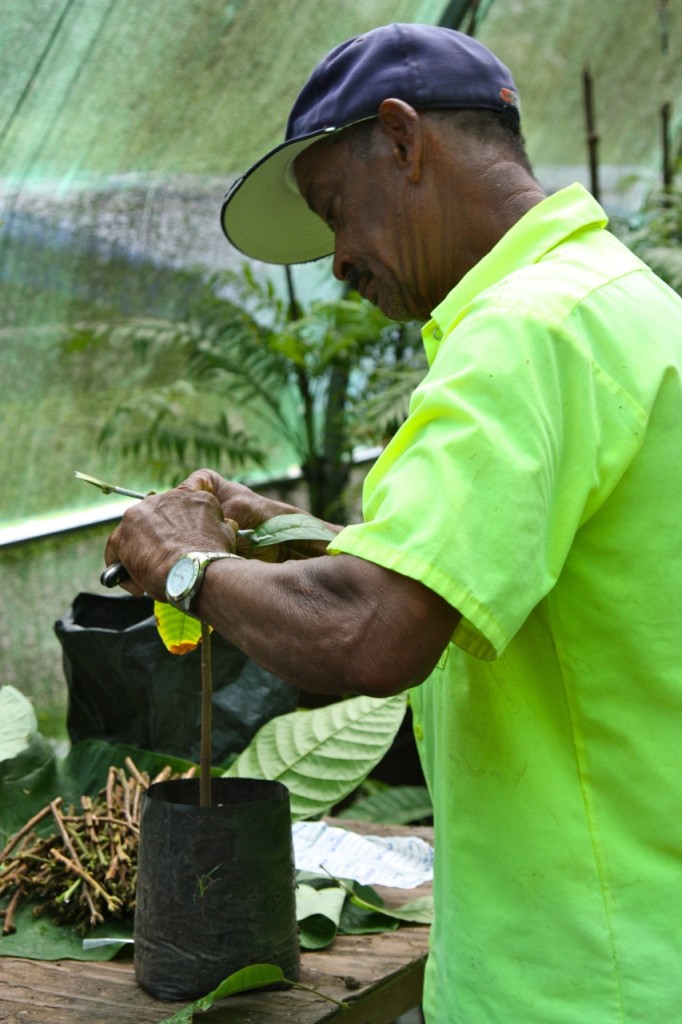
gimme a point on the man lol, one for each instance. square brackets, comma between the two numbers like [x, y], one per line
[520, 561]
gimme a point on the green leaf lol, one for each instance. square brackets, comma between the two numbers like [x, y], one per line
[293, 526]
[419, 911]
[40, 938]
[318, 912]
[254, 976]
[29, 774]
[326, 906]
[322, 755]
[362, 919]
[18, 723]
[86, 765]
[394, 805]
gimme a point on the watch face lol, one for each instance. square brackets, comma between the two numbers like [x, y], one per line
[182, 577]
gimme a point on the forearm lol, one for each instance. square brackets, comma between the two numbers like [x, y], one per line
[332, 624]
[335, 624]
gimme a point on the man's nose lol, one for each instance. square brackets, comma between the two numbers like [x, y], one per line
[342, 267]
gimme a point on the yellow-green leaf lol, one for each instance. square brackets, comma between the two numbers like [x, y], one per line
[180, 633]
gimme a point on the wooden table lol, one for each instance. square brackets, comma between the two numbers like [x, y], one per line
[379, 976]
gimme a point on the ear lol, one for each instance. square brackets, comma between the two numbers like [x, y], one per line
[402, 125]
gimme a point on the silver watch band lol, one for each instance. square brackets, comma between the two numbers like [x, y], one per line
[201, 560]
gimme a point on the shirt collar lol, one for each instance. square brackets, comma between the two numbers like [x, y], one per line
[542, 228]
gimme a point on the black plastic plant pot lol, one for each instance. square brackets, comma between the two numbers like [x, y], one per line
[215, 885]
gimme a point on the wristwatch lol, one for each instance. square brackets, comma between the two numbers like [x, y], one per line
[187, 574]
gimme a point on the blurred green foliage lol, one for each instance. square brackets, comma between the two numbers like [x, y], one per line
[655, 234]
[249, 379]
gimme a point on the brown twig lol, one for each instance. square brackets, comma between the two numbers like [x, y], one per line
[125, 786]
[25, 829]
[112, 902]
[109, 794]
[111, 778]
[54, 807]
[9, 925]
[134, 771]
[86, 804]
[205, 755]
[99, 819]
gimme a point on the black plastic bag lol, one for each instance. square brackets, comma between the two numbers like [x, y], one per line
[215, 885]
[124, 686]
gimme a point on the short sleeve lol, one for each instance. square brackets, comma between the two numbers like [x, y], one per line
[514, 438]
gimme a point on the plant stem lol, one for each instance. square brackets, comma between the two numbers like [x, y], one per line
[206, 695]
[56, 814]
[9, 925]
[13, 840]
[113, 902]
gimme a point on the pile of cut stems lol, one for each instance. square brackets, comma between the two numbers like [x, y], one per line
[84, 869]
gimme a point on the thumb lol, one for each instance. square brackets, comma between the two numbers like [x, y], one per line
[200, 480]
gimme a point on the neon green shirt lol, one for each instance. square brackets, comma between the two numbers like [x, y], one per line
[537, 486]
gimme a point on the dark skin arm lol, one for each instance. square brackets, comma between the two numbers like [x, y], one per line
[332, 624]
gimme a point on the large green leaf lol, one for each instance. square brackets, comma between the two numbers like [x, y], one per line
[18, 723]
[29, 776]
[27, 782]
[41, 938]
[86, 765]
[322, 755]
[395, 805]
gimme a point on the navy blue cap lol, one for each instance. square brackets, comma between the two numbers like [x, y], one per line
[429, 67]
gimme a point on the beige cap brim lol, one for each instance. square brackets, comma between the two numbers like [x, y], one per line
[265, 216]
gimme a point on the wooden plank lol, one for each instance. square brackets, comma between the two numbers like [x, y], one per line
[385, 1002]
[66, 991]
[382, 971]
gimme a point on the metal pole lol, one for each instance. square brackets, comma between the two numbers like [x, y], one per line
[294, 308]
[665, 145]
[592, 135]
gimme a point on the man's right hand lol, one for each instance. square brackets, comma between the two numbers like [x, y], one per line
[248, 510]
